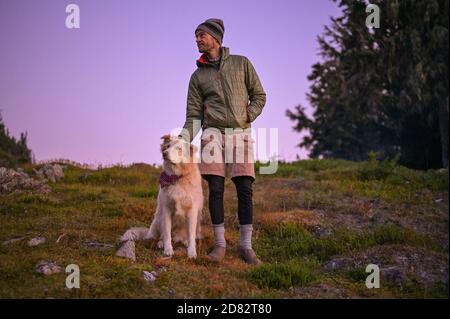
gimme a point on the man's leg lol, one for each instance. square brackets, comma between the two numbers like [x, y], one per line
[245, 213]
[216, 185]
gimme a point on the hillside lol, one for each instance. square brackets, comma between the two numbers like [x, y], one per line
[318, 224]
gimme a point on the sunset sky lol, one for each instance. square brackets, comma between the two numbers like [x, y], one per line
[105, 93]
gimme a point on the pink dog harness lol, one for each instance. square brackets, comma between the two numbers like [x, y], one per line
[166, 180]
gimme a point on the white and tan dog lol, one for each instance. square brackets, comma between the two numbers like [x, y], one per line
[180, 198]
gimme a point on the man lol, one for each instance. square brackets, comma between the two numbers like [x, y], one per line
[225, 93]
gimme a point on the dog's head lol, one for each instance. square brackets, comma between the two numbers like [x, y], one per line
[177, 152]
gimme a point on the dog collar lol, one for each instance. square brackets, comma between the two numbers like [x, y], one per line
[166, 180]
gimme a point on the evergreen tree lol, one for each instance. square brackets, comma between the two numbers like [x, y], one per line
[381, 89]
[13, 152]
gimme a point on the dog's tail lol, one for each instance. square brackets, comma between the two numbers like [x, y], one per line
[134, 234]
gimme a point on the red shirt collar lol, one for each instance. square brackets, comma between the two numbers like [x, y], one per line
[203, 59]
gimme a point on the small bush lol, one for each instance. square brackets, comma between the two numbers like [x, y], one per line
[373, 169]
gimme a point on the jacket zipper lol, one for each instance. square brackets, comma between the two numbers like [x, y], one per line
[224, 96]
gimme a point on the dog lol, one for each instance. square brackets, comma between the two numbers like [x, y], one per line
[180, 198]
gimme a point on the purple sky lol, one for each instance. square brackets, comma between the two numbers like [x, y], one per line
[106, 92]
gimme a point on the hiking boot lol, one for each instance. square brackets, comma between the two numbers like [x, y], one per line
[249, 256]
[217, 254]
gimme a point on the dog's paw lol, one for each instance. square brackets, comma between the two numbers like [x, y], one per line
[191, 253]
[168, 251]
[160, 244]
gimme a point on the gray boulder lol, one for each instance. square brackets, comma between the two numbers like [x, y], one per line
[12, 182]
[52, 172]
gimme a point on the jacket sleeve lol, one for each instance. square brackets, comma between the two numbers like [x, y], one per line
[256, 93]
[194, 111]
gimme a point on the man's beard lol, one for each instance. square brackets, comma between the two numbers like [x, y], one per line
[203, 49]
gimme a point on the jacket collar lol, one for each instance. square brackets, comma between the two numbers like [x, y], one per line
[202, 61]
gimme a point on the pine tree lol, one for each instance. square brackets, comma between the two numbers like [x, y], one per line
[13, 152]
[381, 89]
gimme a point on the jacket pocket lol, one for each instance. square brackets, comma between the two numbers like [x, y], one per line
[241, 113]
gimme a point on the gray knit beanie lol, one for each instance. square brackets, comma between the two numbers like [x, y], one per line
[214, 27]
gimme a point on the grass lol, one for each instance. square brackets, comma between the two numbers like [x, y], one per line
[358, 274]
[292, 273]
[282, 242]
[363, 205]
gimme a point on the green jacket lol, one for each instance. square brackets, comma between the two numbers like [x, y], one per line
[222, 98]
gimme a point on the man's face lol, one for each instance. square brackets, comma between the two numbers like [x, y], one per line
[205, 42]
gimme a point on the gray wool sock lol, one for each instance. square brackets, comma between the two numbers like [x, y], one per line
[245, 232]
[219, 235]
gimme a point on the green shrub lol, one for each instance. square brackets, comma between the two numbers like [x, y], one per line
[373, 169]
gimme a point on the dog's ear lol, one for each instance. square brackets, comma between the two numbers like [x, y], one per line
[166, 137]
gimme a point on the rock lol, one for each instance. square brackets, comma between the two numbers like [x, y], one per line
[321, 232]
[149, 277]
[47, 268]
[134, 234]
[127, 250]
[96, 245]
[52, 172]
[37, 241]
[12, 182]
